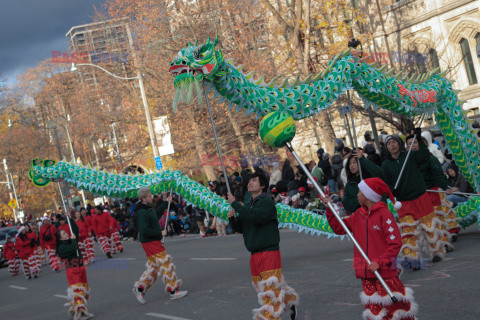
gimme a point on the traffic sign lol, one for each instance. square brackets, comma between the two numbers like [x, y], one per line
[158, 163]
[12, 203]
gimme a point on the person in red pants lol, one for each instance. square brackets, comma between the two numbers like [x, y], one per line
[89, 239]
[82, 235]
[257, 222]
[33, 259]
[10, 254]
[159, 263]
[24, 250]
[377, 233]
[78, 289]
[49, 243]
[115, 236]
[103, 229]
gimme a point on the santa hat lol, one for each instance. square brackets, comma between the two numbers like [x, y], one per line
[45, 218]
[283, 194]
[301, 189]
[374, 188]
[20, 229]
[274, 190]
[310, 181]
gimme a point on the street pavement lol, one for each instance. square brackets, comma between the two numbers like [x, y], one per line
[215, 271]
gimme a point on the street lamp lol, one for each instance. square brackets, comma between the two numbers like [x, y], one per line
[73, 156]
[10, 183]
[144, 100]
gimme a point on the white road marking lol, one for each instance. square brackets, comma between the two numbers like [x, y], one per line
[446, 259]
[164, 316]
[60, 296]
[19, 288]
[347, 260]
[213, 259]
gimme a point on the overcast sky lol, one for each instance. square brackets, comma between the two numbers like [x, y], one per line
[32, 29]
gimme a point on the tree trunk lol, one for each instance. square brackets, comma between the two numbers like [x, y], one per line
[238, 132]
[199, 147]
[327, 132]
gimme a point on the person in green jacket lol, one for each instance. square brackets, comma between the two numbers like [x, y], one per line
[159, 263]
[257, 222]
[415, 212]
[435, 179]
[72, 261]
[369, 170]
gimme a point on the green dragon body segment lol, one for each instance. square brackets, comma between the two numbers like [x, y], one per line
[126, 186]
[429, 94]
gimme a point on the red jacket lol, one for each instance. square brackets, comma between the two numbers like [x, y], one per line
[23, 247]
[33, 235]
[101, 223]
[9, 251]
[378, 235]
[45, 231]
[89, 224]
[82, 229]
[65, 227]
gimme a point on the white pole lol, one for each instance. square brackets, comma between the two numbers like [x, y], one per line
[74, 159]
[14, 192]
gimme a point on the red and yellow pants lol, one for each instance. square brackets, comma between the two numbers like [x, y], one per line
[158, 263]
[417, 218]
[451, 218]
[379, 306]
[78, 290]
[274, 295]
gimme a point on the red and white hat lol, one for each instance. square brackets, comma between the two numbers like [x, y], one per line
[20, 229]
[374, 188]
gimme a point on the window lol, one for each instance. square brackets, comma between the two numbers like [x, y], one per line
[477, 41]
[432, 54]
[467, 59]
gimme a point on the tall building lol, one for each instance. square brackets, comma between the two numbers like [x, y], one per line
[105, 42]
[426, 34]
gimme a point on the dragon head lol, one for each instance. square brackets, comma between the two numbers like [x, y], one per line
[192, 65]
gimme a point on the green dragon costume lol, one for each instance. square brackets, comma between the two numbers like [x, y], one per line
[428, 93]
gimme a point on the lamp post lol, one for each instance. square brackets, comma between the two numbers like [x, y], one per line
[73, 156]
[10, 181]
[143, 95]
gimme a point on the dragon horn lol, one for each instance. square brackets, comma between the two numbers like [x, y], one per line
[196, 43]
[208, 41]
[189, 44]
[216, 41]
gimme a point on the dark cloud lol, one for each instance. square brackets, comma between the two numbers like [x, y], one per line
[31, 29]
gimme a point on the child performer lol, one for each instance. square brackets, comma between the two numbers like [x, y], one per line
[10, 254]
[257, 222]
[159, 263]
[377, 233]
[72, 260]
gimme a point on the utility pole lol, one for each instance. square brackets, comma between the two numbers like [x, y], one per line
[10, 188]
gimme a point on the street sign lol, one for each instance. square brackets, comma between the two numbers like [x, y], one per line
[158, 163]
[344, 110]
[12, 203]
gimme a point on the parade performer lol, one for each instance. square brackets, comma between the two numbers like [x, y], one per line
[103, 229]
[257, 222]
[89, 240]
[82, 236]
[24, 250]
[10, 254]
[369, 170]
[72, 261]
[48, 242]
[417, 214]
[374, 227]
[33, 258]
[115, 241]
[159, 263]
[435, 179]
